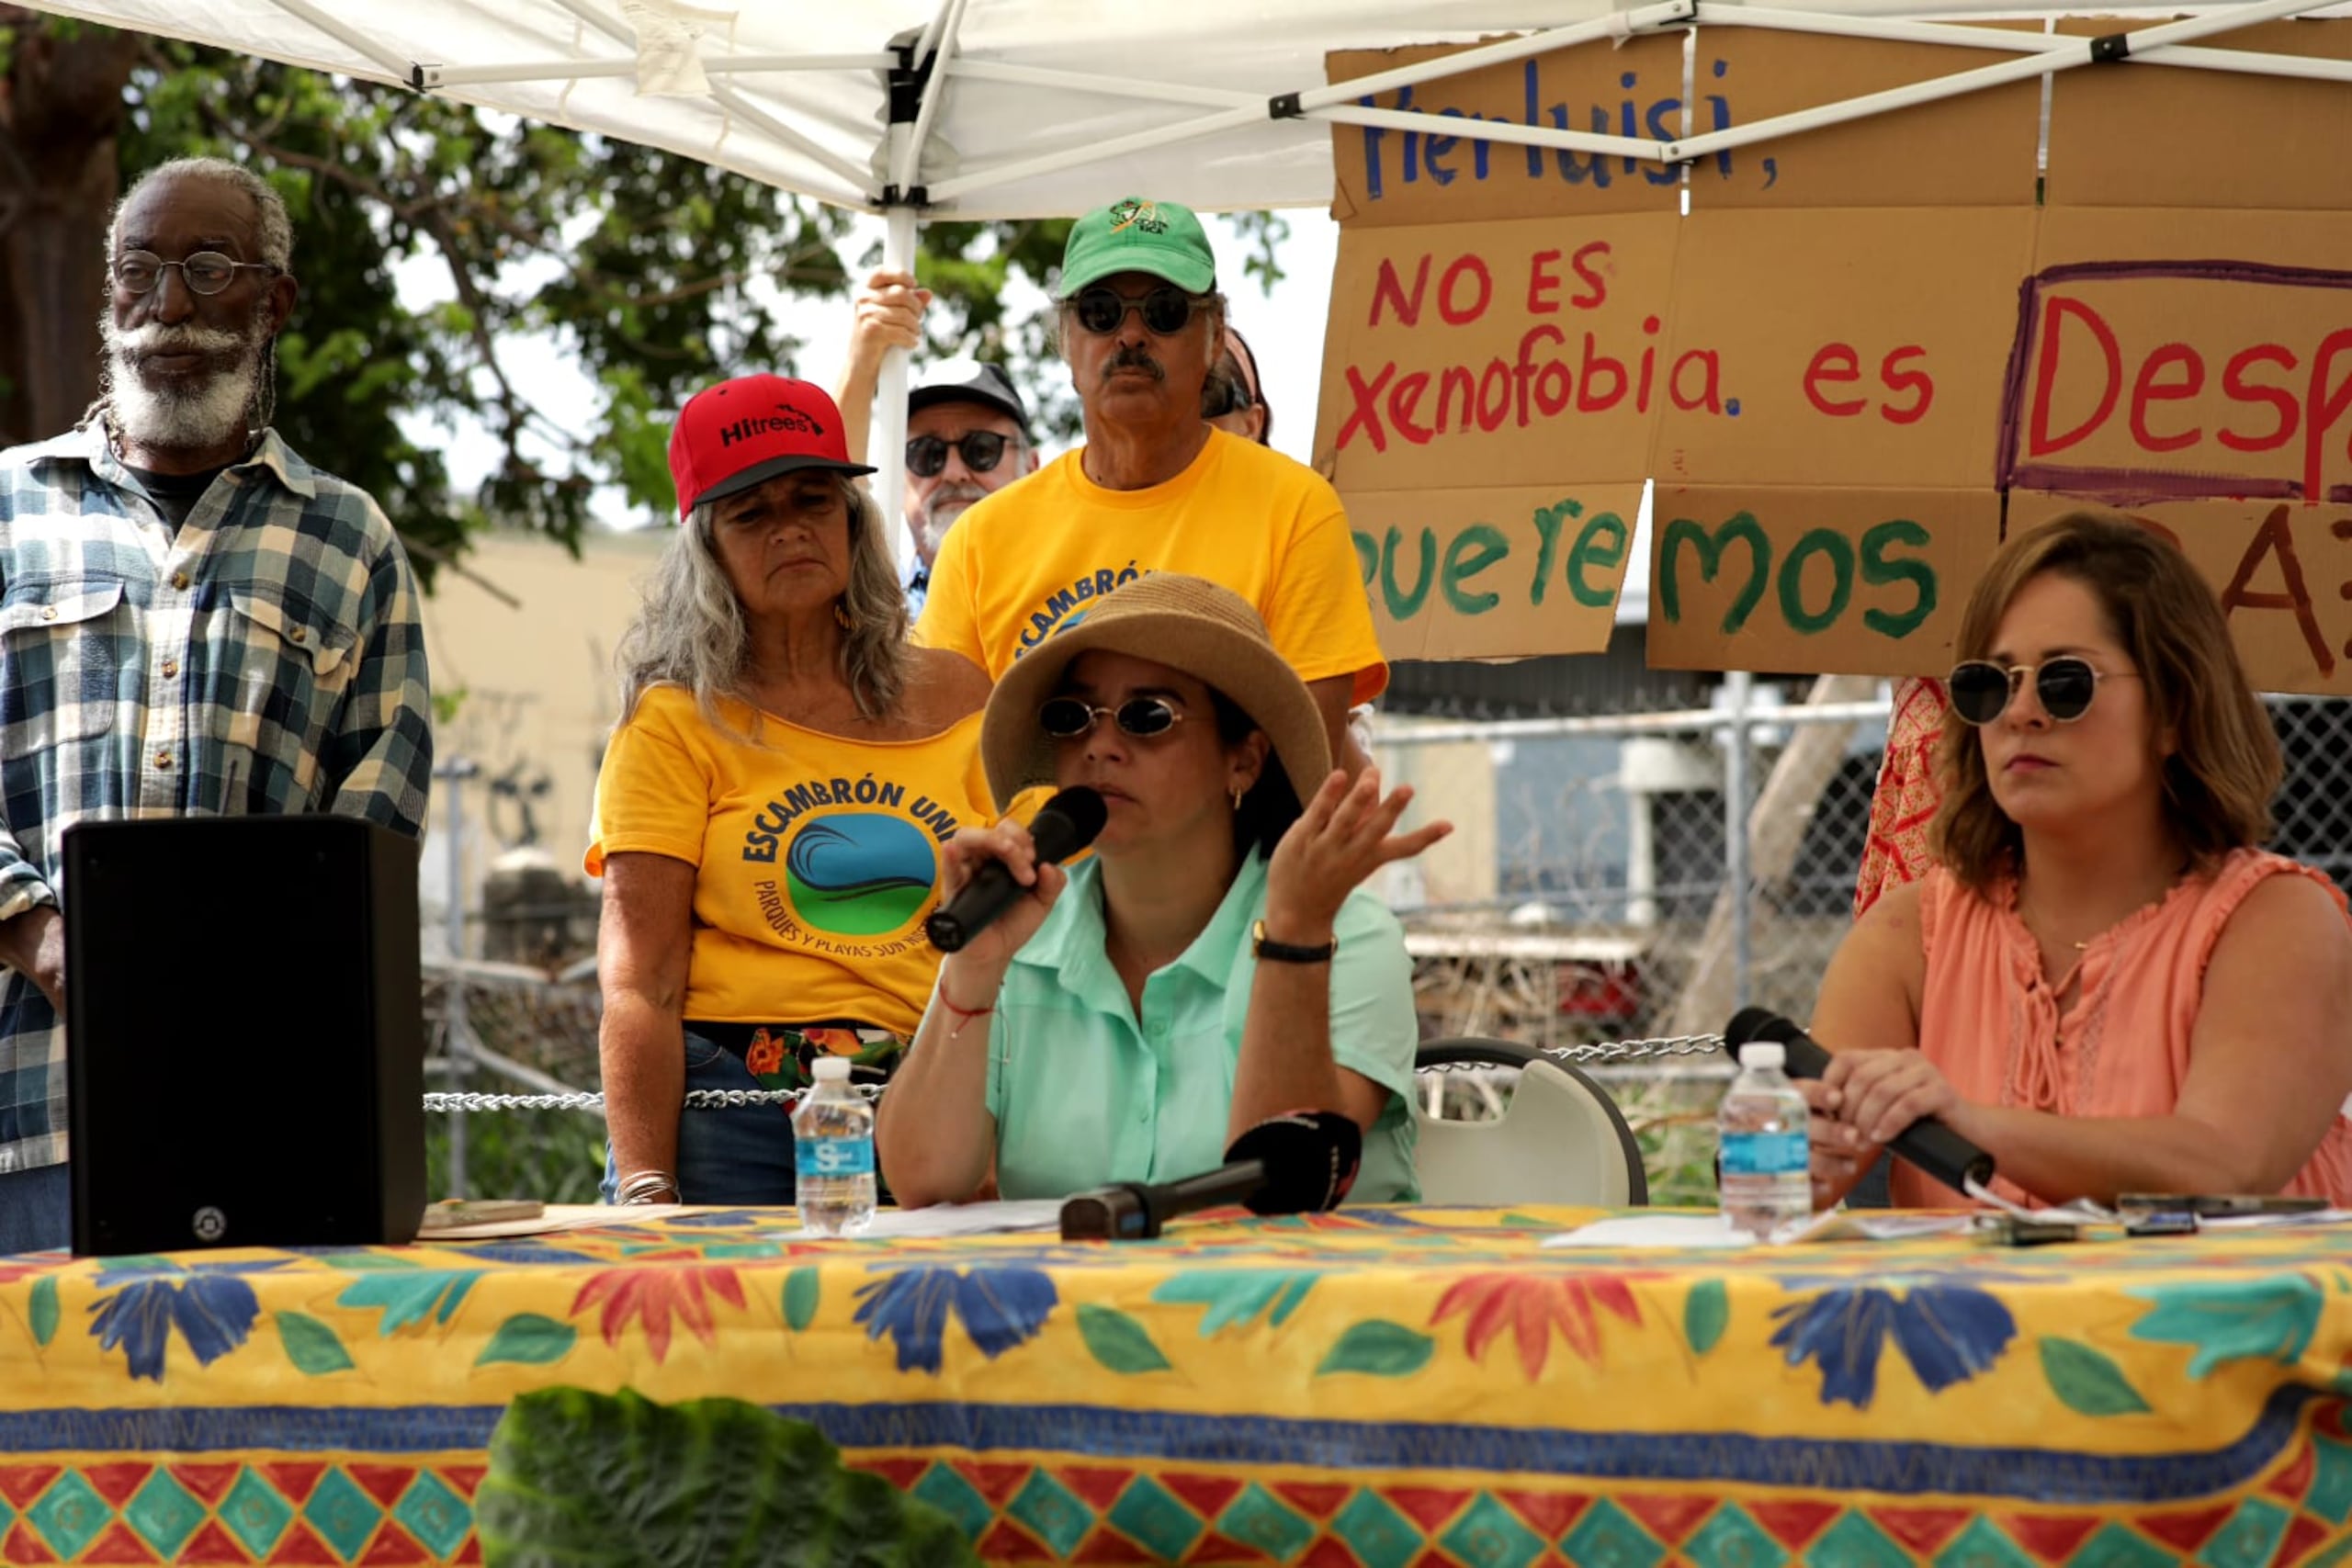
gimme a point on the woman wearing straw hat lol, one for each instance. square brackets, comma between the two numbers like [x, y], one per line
[1213, 964]
[770, 812]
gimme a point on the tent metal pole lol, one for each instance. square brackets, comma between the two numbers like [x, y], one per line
[426, 78]
[2079, 51]
[349, 37]
[601, 22]
[933, 92]
[1620, 25]
[1492, 131]
[886, 450]
[726, 97]
[2246, 61]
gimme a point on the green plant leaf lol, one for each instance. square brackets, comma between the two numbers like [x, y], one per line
[2271, 1318]
[311, 1345]
[411, 1297]
[800, 1297]
[1236, 1295]
[1383, 1349]
[529, 1338]
[1118, 1341]
[2086, 1381]
[584, 1478]
[44, 1310]
[1704, 1314]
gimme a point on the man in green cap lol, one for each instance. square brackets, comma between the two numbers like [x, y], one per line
[1155, 487]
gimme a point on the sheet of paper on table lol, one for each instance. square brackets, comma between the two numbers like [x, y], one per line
[1710, 1231]
[966, 1219]
[2271, 1221]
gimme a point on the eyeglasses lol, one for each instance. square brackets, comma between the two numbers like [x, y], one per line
[981, 450]
[206, 272]
[1067, 718]
[1165, 310]
[1981, 690]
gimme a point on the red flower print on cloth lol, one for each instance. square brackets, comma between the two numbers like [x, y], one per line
[1528, 1307]
[764, 1055]
[834, 1042]
[652, 1287]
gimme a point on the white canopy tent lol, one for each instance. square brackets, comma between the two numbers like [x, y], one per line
[998, 109]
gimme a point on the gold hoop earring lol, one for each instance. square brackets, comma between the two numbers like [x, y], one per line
[1238, 794]
[841, 614]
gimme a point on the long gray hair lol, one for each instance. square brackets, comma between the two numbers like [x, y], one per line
[690, 631]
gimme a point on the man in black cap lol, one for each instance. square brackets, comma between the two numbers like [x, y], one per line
[968, 430]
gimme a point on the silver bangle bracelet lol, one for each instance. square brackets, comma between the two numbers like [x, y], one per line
[645, 1186]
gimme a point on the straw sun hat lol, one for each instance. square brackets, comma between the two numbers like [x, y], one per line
[1186, 622]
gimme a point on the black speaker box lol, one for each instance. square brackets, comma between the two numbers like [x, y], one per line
[245, 1039]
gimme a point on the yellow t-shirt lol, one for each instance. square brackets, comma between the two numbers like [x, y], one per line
[1026, 562]
[816, 857]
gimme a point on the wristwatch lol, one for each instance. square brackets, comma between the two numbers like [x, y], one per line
[1264, 946]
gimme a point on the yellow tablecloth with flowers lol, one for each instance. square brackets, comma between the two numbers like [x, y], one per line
[1396, 1388]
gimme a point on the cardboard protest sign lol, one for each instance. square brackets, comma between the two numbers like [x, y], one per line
[1488, 573]
[2283, 571]
[1861, 355]
[1859, 580]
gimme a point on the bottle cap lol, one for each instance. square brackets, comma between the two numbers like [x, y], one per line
[835, 1069]
[1755, 1054]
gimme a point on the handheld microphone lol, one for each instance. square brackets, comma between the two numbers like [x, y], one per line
[1063, 826]
[1289, 1163]
[1926, 1144]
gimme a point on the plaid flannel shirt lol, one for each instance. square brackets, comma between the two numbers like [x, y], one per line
[263, 657]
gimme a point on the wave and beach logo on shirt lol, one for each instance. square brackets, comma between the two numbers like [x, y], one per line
[859, 875]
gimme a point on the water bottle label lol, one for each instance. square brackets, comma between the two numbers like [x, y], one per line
[824, 1159]
[1763, 1153]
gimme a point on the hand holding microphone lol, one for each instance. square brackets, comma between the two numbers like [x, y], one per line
[1924, 1142]
[1005, 877]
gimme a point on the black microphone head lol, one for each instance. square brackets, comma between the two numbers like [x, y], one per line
[1757, 1023]
[1311, 1157]
[1067, 823]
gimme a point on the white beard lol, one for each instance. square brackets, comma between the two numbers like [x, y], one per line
[173, 418]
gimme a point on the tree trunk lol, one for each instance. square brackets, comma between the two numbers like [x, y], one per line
[62, 108]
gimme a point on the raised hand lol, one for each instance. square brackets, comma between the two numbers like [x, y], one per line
[1343, 836]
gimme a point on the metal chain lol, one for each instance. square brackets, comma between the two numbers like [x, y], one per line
[735, 1098]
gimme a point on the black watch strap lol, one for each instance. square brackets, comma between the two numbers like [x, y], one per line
[1264, 947]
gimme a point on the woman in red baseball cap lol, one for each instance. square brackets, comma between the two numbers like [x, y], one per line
[770, 809]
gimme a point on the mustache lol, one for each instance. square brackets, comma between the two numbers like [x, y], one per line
[1134, 357]
[156, 338]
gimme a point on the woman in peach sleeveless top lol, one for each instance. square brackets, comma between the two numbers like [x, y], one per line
[2103, 982]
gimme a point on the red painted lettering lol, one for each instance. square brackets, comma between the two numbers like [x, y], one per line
[1899, 379]
[1456, 379]
[2146, 388]
[1387, 289]
[1541, 284]
[1449, 303]
[1366, 416]
[1596, 287]
[2274, 538]
[2237, 389]
[1835, 362]
[2327, 405]
[1599, 368]
[2039, 442]
[1709, 395]
[1402, 403]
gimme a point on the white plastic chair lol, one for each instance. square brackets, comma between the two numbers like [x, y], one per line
[1561, 1139]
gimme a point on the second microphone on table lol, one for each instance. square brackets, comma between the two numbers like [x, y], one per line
[1063, 826]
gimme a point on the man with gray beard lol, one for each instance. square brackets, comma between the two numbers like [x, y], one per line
[194, 621]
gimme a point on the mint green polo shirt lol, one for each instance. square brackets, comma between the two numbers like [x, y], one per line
[1084, 1091]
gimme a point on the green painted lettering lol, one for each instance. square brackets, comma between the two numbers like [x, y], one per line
[1710, 550]
[1877, 568]
[1818, 542]
[1547, 542]
[1474, 549]
[1403, 607]
[1590, 551]
[1367, 555]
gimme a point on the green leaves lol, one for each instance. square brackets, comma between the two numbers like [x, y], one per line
[311, 1345]
[587, 1478]
[2234, 1320]
[1704, 1314]
[1379, 1347]
[409, 1298]
[2086, 1381]
[530, 1339]
[800, 1297]
[1238, 1295]
[1118, 1341]
[44, 1310]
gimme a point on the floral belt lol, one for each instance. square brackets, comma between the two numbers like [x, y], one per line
[782, 1055]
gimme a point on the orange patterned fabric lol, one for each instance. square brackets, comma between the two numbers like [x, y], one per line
[1906, 796]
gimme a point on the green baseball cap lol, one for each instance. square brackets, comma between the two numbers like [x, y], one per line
[1136, 235]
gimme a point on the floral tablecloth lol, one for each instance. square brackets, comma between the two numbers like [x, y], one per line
[1396, 1388]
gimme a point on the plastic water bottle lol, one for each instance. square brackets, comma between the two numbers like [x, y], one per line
[1767, 1177]
[832, 1136]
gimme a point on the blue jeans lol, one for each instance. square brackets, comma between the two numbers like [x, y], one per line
[732, 1156]
[36, 1210]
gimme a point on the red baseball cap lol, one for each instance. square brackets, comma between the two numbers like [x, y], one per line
[741, 433]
